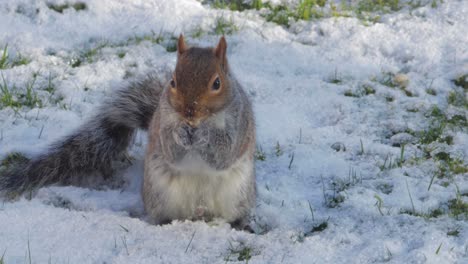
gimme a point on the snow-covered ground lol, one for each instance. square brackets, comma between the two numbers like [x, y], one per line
[366, 87]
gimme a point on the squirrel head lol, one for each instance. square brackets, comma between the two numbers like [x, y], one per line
[199, 87]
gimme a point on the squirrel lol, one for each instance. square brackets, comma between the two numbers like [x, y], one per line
[199, 162]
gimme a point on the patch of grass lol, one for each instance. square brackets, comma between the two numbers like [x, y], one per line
[458, 99]
[7, 98]
[304, 9]
[350, 93]
[317, 228]
[432, 133]
[75, 62]
[279, 14]
[431, 214]
[220, 4]
[368, 11]
[224, 26]
[331, 200]
[321, 3]
[31, 98]
[462, 81]
[450, 164]
[337, 187]
[434, 3]
[257, 4]
[7, 62]
[367, 89]
[388, 164]
[445, 184]
[457, 166]
[435, 213]
[362, 90]
[241, 252]
[282, 14]
[435, 129]
[16, 98]
[383, 6]
[121, 54]
[385, 188]
[244, 254]
[4, 58]
[234, 5]
[458, 121]
[334, 201]
[447, 140]
[59, 8]
[20, 60]
[335, 78]
[438, 124]
[389, 98]
[198, 32]
[343, 10]
[458, 208]
[238, 5]
[79, 6]
[387, 79]
[153, 38]
[431, 91]
[260, 154]
[278, 150]
[436, 113]
[408, 93]
[414, 4]
[444, 156]
[171, 46]
[88, 55]
[454, 232]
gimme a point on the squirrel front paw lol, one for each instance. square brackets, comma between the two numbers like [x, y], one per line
[200, 137]
[183, 135]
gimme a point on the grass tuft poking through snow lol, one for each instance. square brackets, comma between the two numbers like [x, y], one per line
[59, 8]
[7, 62]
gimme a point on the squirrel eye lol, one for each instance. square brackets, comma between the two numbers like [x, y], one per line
[172, 83]
[216, 84]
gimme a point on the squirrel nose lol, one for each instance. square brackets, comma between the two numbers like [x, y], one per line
[190, 117]
[189, 112]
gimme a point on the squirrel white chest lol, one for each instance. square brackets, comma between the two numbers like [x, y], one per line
[193, 190]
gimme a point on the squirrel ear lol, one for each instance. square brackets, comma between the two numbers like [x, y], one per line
[181, 46]
[220, 50]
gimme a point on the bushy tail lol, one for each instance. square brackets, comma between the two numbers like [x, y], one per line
[93, 147]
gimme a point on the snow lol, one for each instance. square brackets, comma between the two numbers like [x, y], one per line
[288, 75]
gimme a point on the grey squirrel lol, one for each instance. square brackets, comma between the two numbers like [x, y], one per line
[199, 161]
